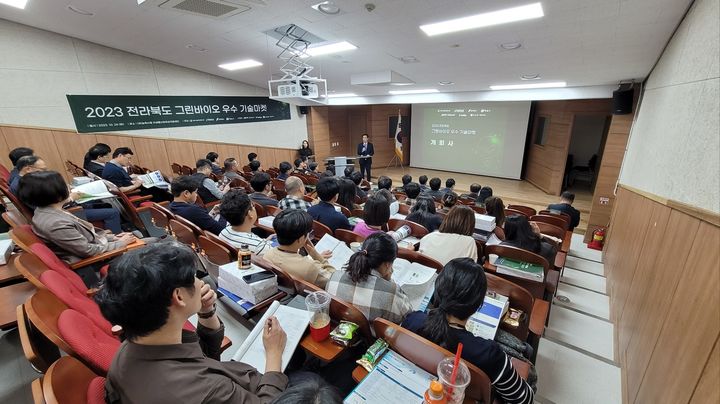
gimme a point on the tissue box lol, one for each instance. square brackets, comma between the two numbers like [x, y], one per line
[231, 279]
[6, 248]
[484, 222]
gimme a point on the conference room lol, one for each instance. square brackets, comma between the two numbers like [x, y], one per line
[392, 201]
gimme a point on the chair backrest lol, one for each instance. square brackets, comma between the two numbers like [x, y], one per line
[69, 381]
[217, 240]
[14, 218]
[38, 354]
[259, 209]
[159, 218]
[176, 168]
[478, 209]
[284, 279]
[564, 215]
[345, 211]
[514, 212]
[556, 220]
[239, 183]
[519, 298]
[348, 236]
[215, 253]
[416, 230]
[420, 258]
[320, 230]
[183, 233]
[185, 170]
[129, 208]
[537, 289]
[30, 267]
[43, 309]
[427, 355]
[19, 205]
[69, 295]
[278, 184]
[91, 344]
[4, 173]
[404, 209]
[272, 210]
[358, 213]
[528, 211]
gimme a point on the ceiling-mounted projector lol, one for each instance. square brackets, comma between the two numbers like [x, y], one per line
[299, 90]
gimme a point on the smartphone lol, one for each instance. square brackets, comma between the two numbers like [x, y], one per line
[257, 277]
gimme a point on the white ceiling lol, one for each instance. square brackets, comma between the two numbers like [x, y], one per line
[582, 42]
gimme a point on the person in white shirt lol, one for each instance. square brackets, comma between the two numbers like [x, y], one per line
[454, 237]
[240, 214]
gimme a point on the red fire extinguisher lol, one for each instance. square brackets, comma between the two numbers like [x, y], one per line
[598, 239]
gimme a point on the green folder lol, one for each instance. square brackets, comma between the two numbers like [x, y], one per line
[520, 269]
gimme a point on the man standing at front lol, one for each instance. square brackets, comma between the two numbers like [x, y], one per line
[365, 150]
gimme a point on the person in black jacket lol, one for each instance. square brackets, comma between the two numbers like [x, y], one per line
[521, 234]
[365, 149]
[565, 206]
[184, 189]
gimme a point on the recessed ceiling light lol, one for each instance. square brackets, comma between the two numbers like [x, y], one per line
[409, 59]
[424, 91]
[528, 86]
[510, 45]
[530, 77]
[241, 64]
[327, 7]
[140, 1]
[330, 48]
[195, 47]
[504, 16]
[401, 84]
[342, 95]
[80, 11]
[15, 3]
[446, 83]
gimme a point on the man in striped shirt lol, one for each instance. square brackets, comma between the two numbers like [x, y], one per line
[239, 212]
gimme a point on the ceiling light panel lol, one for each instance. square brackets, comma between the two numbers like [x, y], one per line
[423, 91]
[342, 95]
[504, 16]
[330, 48]
[555, 84]
[241, 64]
[15, 3]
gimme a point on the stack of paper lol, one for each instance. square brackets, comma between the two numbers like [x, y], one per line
[484, 222]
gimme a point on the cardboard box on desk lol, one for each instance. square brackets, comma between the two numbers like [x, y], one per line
[231, 279]
[484, 222]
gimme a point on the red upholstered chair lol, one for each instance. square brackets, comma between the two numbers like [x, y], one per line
[68, 381]
[74, 299]
[96, 391]
[4, 173]
[91, 344]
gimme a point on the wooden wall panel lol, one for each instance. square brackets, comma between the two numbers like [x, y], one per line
[378, 121]
[153, 154]
[4, 151]
[181, 152]
[243, 151]
[41, 141]
[708, 389]
[200, 150]
[319, 132]
[663, 281]
[339, 134]
[73, 146]
[228, 150]
[115, 141]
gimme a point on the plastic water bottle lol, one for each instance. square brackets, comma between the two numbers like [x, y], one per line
[435, 394]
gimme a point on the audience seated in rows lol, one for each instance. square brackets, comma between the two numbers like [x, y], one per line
[449, 185]
[346, 194]
[207, 188]
[231, 170]
[347, 173]
[26, 165]
[485, 192]
[115, 171]
[376, 214]
[240, 214]
[185, 192]
[313, 170]
[252, 157]
[357, 178]
[367, 282]
[301, 166]
[213, 158]
[423, 213]
[565, 206]
[15, 155]
[434, 191]
[255, 166]
[449, 200]
[324, 212]
[422, 180]
[96, 158]
[521, 234]
[284, 168]
[406, 179]
[151, 293]
[454, 238]
[295, 190]
[394, 204]
[474, 190]
[412, 191]
[292, 228]
[459, 292]
[262, 185]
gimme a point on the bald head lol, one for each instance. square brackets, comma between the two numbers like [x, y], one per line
[294, 186]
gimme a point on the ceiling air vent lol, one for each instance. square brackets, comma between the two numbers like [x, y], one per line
[217, 9]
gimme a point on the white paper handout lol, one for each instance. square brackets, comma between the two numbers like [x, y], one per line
[92, 191]
[154, 179]
[293, 321]
[416, 280]
[266, 221]
[341, 253]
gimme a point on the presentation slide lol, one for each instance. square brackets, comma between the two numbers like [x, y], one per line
[484, 138]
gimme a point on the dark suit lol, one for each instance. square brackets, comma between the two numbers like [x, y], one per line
[365, 163]
[120, 177]
[326, 214]
[198, 216]
[95, 168]
[567, 208]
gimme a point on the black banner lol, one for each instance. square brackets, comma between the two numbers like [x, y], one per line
[110, 113]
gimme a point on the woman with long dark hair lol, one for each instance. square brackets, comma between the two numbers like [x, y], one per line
[305, 150]
[521, 234]
[495, 207]
[346, 195]
[423, 213]
[459, 292]
[367, 284]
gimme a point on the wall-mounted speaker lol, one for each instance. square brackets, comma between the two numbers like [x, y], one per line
[303, 109]
[623, 101]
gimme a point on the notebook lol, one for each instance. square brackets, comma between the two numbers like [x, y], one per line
[293, 321]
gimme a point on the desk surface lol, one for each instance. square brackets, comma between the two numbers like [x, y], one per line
[10, 297]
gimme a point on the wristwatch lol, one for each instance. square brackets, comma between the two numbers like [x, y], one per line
[208, 314]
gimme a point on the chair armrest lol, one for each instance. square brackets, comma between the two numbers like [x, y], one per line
[560, 258]
[326, 350]
[540, 312]
[359, 373]
[91, 292]
[140, 199]
[565, 246]
[522, 367]
[133, 192]
[211, 204]
[551, 281]
[97, 258]
[225, 344]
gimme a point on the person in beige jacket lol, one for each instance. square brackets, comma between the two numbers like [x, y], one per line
[292, 228]
[69, 237]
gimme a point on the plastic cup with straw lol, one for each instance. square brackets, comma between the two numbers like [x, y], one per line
[455, 377]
